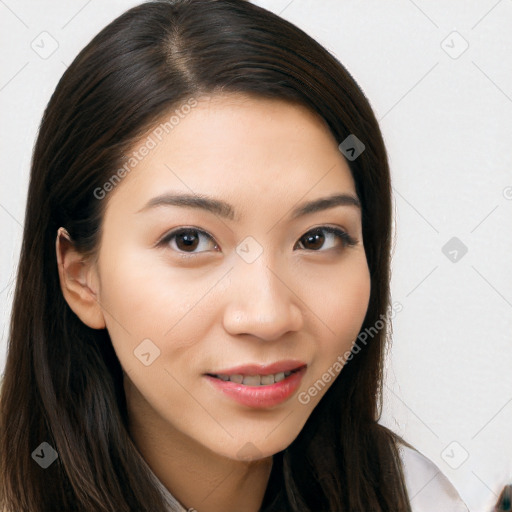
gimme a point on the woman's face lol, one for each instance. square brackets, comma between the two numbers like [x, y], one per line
[251, 284]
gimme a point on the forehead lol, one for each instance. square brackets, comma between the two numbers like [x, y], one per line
[244, 149]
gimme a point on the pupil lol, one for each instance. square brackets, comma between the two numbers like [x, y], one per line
[190, 240]
[316, 236]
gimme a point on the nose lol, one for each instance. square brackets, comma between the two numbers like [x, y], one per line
[261, 302]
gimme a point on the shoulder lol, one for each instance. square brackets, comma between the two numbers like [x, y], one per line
[428, 488]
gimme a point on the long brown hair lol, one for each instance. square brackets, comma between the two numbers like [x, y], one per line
[63, 382]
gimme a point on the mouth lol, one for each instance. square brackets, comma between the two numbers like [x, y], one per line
[259, 374]
[258, 386]
[255, 380]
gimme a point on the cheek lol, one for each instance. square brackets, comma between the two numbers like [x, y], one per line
[344, 302]
[143, 298]
[345, 299]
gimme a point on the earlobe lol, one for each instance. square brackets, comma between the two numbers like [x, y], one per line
[78, 282]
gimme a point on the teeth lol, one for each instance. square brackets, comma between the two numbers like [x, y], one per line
[255, 380]
[267, 379]
[252, 380]
[236, 378]
[279, 377]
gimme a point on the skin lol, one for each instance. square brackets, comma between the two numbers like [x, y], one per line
[214, 310]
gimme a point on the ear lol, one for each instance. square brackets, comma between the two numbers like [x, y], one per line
[78, 281]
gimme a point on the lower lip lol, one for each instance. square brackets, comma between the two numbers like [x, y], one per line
[260, 397]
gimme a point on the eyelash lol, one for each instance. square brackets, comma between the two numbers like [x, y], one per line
[346, 239]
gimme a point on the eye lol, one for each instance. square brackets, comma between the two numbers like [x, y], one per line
[187, 240]
[316, 239]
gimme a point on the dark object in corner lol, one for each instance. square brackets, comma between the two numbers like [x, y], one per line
[504, 502]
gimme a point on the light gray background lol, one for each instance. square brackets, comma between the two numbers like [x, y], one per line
[446, 115]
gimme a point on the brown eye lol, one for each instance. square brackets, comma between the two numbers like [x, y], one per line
[315, 239]
[188, 240]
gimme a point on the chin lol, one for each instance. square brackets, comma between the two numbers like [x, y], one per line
[255, 450]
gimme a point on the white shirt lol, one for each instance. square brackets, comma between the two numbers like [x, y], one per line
[429, 490]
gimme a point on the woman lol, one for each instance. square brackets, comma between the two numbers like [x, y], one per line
[207, 236]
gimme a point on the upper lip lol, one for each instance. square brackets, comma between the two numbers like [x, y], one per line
[261, 369]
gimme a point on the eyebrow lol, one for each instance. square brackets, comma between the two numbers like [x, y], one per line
[225, 210]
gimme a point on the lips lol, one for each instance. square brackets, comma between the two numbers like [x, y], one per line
[259, 386]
